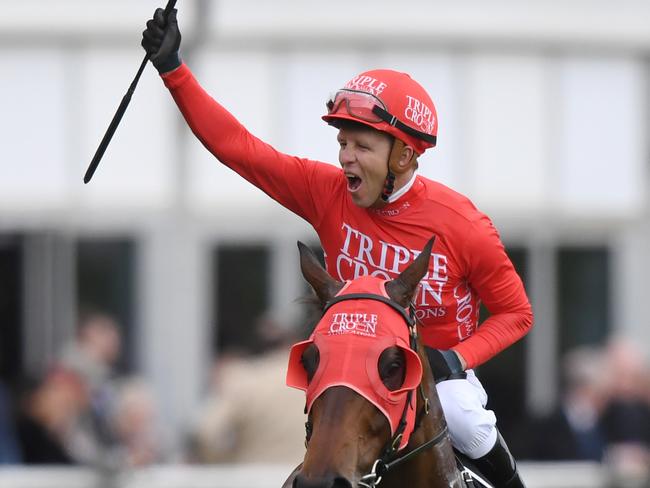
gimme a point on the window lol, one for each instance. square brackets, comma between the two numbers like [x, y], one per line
[105, 283]
[11, 296]
[582, 296]
[241, 280]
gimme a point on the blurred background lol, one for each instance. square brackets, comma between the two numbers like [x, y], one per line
[140, 313]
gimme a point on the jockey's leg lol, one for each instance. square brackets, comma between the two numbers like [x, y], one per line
[473, 431]
[499, 467]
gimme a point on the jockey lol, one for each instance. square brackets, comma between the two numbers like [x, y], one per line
[371, 216]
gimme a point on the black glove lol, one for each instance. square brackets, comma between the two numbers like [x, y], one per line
[162, 40]
[445, 364]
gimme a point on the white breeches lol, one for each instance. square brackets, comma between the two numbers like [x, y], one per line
[472, 428]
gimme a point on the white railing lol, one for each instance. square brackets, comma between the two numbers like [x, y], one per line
[536, 475]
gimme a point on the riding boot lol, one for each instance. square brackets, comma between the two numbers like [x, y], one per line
[499, 467]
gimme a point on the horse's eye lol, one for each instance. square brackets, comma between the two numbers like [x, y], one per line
[309, 360]
[392, 369]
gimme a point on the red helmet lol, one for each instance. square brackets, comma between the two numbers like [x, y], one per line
[388, 101]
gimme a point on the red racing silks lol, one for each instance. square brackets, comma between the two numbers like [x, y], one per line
[350, 337]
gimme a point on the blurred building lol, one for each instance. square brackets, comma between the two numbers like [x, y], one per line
[544, 123]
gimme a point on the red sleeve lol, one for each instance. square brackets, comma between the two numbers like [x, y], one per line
[301, 185]
[491, 274]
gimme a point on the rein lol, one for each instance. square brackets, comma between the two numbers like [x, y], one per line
[384, 464]
[381, 467]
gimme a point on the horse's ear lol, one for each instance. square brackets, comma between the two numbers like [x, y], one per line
[323, 284]
[402, 288]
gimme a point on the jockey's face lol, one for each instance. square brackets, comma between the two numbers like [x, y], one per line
[363, 155]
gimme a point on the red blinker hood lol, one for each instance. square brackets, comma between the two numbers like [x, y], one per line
[350, 337]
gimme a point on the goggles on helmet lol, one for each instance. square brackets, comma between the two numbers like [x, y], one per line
[369, 108]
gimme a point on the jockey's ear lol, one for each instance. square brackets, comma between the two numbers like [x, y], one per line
[323, 284]
[402, 288]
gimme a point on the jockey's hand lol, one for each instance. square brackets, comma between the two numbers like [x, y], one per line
[445, 364]
[162, 40]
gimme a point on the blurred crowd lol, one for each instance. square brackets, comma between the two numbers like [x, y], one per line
[79, 411]
[82, 412]
[603, 414]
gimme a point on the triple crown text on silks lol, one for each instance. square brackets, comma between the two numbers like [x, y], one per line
[360, 255]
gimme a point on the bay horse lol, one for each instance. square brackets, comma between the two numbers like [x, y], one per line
[373, 410]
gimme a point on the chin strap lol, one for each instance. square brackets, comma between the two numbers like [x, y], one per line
[393, 168]
[395, 154]
[389, 186]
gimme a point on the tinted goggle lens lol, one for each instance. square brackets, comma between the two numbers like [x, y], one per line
[357, 104]
[367, 107]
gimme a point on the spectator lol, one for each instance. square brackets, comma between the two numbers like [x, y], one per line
[572, 431]
[90, 439]
[95, 350]
[135, 424]
[249, 415]
[626, 417]
[48, 412]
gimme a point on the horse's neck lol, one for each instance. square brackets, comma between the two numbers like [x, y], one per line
[435, 466]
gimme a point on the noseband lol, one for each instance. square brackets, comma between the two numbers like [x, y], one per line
[388, 460]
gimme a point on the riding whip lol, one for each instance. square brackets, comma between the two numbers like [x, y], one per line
[120, 110]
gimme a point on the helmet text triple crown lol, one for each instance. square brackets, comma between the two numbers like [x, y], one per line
[388, 101]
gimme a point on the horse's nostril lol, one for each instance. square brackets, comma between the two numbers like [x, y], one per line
[341, 483]
[338, 482]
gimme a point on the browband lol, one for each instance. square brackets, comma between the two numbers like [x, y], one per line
[372, 296]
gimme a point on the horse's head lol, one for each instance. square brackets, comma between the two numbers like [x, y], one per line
[359, 372]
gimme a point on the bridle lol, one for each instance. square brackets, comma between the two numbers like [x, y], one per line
[388, 459]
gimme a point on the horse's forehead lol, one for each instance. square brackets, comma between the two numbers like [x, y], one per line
[363, 318]
[365, 284]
